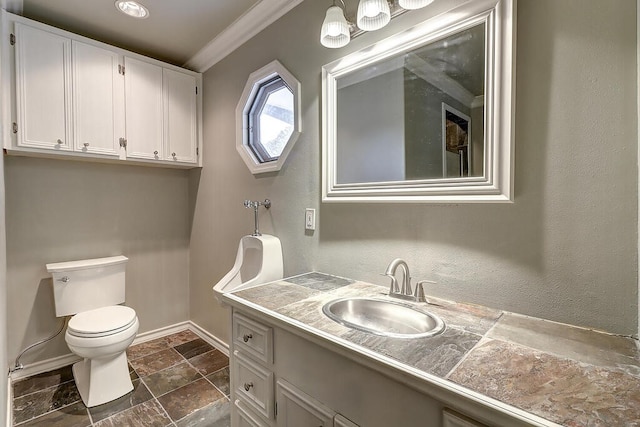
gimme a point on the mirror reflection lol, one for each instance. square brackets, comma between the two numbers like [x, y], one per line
[415, 116]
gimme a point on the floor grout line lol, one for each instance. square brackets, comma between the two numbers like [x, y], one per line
[48, 412]
[144, 383]
[41, 390]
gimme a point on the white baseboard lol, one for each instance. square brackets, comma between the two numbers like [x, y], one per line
[69, 359]
[9, 407]
[161, 332]
[44, 366]
[211, 339]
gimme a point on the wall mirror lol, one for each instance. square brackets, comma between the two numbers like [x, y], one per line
[426, 115]
[268, 118]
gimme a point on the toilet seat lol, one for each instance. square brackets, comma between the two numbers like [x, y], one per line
[102, 321]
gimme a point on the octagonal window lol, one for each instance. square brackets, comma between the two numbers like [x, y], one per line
[269, 116]
[271, 120]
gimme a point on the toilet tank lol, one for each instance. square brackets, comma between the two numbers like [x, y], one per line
[87, 284]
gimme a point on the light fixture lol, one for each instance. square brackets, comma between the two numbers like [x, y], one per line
[373, 14]
[335, 28]
[414, 4]
[337, 31]
[132, 8]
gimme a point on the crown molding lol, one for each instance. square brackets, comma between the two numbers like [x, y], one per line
[256, 19]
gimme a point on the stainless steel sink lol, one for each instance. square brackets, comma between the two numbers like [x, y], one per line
[381, 317]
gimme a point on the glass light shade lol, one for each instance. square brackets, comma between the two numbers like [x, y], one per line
[132, 8]
[414, 4]
[335, 29]
[373, 14]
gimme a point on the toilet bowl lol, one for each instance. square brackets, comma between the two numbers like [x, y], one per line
[258, 261]
[101, 337]
[100, 330]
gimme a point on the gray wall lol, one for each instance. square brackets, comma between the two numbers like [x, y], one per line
[58, 210]
[566, 250]
[371, 140]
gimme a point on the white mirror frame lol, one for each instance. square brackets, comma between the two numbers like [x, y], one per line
[496, 185]
[254, 81]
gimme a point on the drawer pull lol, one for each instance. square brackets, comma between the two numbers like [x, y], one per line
[247, 337]
[247, 386]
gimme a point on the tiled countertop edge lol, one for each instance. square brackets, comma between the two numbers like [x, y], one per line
[438, 388]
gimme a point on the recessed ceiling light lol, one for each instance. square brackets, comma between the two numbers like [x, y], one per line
[132, 8]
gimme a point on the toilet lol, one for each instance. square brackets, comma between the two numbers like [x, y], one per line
[100, 330]
[258, 261]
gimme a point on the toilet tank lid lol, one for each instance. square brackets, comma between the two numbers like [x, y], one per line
[85, 263]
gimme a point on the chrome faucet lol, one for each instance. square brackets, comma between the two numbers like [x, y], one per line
[391, 272]
[404, 292]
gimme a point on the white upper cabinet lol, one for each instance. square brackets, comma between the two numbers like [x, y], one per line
[80, 98]
[180, 116]
[143, 93]
[43, 86]
[98, 95]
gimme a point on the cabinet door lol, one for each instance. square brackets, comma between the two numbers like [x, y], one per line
[297, 409]
[144, 110]
[180, 116]
[43, 86]
[245, 418]
[98, 94]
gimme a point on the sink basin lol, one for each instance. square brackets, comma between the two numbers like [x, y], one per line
[382, 317]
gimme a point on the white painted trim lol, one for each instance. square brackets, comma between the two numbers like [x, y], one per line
[68, 359]
[9, 407]
[161, 332]
[45, 366]
[209, 338]
[255, 80]
[638, 141]
[256, 19]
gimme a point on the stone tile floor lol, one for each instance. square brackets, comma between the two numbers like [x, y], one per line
[179, 381]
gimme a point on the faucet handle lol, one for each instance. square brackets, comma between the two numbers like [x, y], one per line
[419, 291]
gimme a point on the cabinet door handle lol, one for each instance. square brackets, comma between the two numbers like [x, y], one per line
[86, 144]
[155, 153]
[59, 142]
[247, 386]
[173, 154]
[247, 337]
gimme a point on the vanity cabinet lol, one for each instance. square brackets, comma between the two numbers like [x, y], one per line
[262, 395]
[282, 377]
[251, 366]
[79, 98]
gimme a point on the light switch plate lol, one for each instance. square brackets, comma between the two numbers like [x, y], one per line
[310, 219]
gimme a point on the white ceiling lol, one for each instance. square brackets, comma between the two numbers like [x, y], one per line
[195, 33]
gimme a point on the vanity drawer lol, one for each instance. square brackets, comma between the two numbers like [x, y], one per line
[254, 385]
[253, 338]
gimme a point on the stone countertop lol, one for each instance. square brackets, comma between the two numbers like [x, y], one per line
[568, 375]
